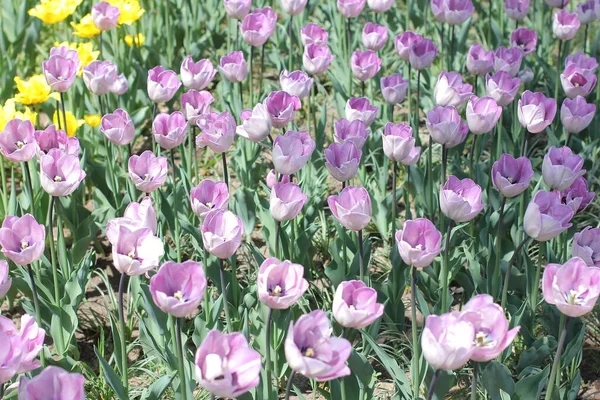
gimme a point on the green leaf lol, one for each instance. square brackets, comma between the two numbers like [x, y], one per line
[391, 366]
[496, 378]
[111, 377]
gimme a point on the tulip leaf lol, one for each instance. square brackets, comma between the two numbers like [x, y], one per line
[496, 378]
[111, 377]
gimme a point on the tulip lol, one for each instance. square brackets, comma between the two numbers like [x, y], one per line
[577, 82]
[573, 287]
[421, 53]
[350, 8]
[147, 171]
[120, 85]
[446, 127]
[60, 72]
[226, 365]
[196, 104]
[546, 217]
[286, 201]
[272, 179]
[460, 200]
[508, 60]
[492, 336]
[402, 43]
[256, 29]
[341, 160]
[525, 75]
[561, 167]
[355, 305]
[280, 284]
[136, 216]
[222, 233]
[209, 196]
[380, 6]
[502, 87]
[451, 11]
[294, 7]
[511, 176]
[99, 76]
[588, 11]
[197, 75]
[178, 288]
[360, 108]
[345, 131]
[17, 142]
[5, 279]
[169, 130]
[22, 239]
[105, 16]
[479, 61]
[271, 16]
[52, 383]
[586, 245]
[450, 90]
[516, 9]
[582, 61]
[525, 39]
[282, 107]
[310, 349]
[448, 340]
[352, 207]
[419, 242]
[558, 3]
[399, 143]
[482, 114]
[51, 138]
[296, 83]
[576, 114]
[233, 66]
[32, 342]
[10, 357]
[365, 64]
[217, 131]
[313, 33]
[60, 173]
[535, 111]
[316, 58]
[162, 84]
[577, 196]
[393, 88]
[67, 53]
[118, 127]
[136, 251]
[257, 126]
[565, 25]
[237, 9]
[291, 151]
[374, 36]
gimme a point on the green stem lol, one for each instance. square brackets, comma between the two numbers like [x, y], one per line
[224, 294]
[474, 381]
[430, 177]
[349, 52]
[556, 364]
[499, 136]
[122, 334]
[496, 274]
[361, 256]
[5, 195]
[34, 294]
[268, 349]
[342, 387]
[64, 113]
[250, 73]
[407, 195]
[444, 163]
[415, 336]
[175, 205]
[277, 238]
[29, 185]
[181, 355]
[225, 172]
[538, 274]
[262, 67]
[394, 197]
[432, 385]
[416, 116]
[50, 223]
[206, 297]
[444, 272]
[585, 38]
[558, 62]
[288, 387]
[508, 270]
[290, 36]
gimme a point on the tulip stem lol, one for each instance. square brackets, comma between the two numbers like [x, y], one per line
[348, 55]
[430, 177]
[474, 382]
[212, 397]
[499, 138]
[409, 96]
[277, 235]
[62, 105]
[29, 184]
[558, 61]
[5, 195]
[451, 54]
[569, 135]
[475, 84]
[416, 116]
[224, 293]
[50, 223]
[538, 274]
[362, 88]
[175, 205]
[361, 256]
[268, 349]
[407, 213]
[585, 37]
[415, 336]
[394, 197]
[181, 356]
[291, 50]
[496, 273]
[444, 163]
[250, 87]
[288, 387]
[508, 270]
[225, 172]
[564, 322]
[34, 294]
[432, 384]
[122, 289]
[262, 64]
[100, 44]
[444, 272]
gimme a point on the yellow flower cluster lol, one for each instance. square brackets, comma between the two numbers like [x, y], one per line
[34, 90]
[72, 122]
[9, 111]
[131, 10]
[53, 11]
[139, 40]
[85, 50]
[85, 28]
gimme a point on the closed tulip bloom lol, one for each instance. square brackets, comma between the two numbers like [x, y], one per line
[448, 340]
[67, 53]
[561, 167]
[282, 107]
[52, 138]
[577, 82]
[17, 142]
[296, 83]
[360, 108]
[316, 58]
[355, 305]
[60, 72]
[446, 127]
[453, 12]
[460, 200]
[286, 201]
[508, 60]
[345, 131]
[482, 114]
[120, 85]
[291, 151]
[582, 61]
[398, 141]
[237, 9]
[586, 245]
[313, 33]
[10, 357]
[525, 39]
[5, 279]
[271, 16]
[525, 75]
[573, 287]
[233, 66]
[576, 114]
[450, 90]
[280, 283]
[226, 365]
[22, 239]
[480, 61]
[310, 349]
[492, 335]
[60, 173]
[341, 160]
[536, 111]
[256, 29]
[502, 87]
[99, 76]
[169, 130]
[195, 104]
[350, 8]
[52, 383]
[588, 11]
[380, 6]
[105, 16]
[178, 288]
[147, 171]
[403, 41]
[516, 9]
[546, 217]
[511, 176]
[209, 196]
[197, 75]
[293, 7]
[162, 84]
[222, 233]
[565, 25]
[365, 64]
[374, 36]
[352, 207]
[421, 53]
[136, 251]
[32, 341]
[118, 127]
[419, 242]
[577, 196]
[136, 216]
[272, 178]
[257, 126]
[217, 131]
[393, 88]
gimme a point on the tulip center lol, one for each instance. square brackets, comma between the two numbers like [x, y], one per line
[209, 205]
[146, 177]
[277, 291]
[352, 308]
[309, 352]
[419, 247]
[575, 298]
[20, 144]
[482, 339]
[24, 245]
[131, 254]
[179, 296]
[57, 179]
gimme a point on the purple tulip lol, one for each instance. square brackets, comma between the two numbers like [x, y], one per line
[453, 12]
[482, 114]
[419, 242]
[105, 16]
[286, 201]
[576, 114]
[169, 130]
[393, 88]
[558, 3]
[162, 84]
[446, 127]
[421, 53]
[27, 346]
[588, 11]
[52, 383]
[280, 284]
[310, 349]
[450, 90]
[350, 8]
[399, 143]
[345, 131]
[582, 61]
[51, 138]
[147, 171]
[196, 104]
[99, 76]
[197, 75]
[10, 357]
[233, 66]
[272, 179]
[208, 196]
[296, 83]
[508, 60]
[561, 167]
[535, 111]
[492, 336]
[341, 160]
[5, 279]
[525, 75]
[118, 127]
[380, 6]
[22, 239]
[67, 53]
[352, 207]
[546, 217]
[460, 200]
[374, 36]
[586, 245]
[271, 16]
[360, 108]
[516, 9]
[565, 25]
[256, 29]
[365, 64]
[60, 72]
[217, 131]
[573, 287]
[525, 39]
[294, 7]
[402, 43]
[316, 58]
[291, 151]
[448, 340]
[577, 82]
[136, 251]
[237, 9]
[479, 61]
[60, 173]
[17, 142]
[120, 85]
[577, 196]
[313, 33]
[226, 365]
[136, 216]
[222, 233]
[282, 107]
[511, 176]
[355, 305]
[178, 288]
[257, 126]
[502, 87]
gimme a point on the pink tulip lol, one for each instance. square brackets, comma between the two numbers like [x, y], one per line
[393, 88]
[162, 84]
[511, 176]
[586, 245]
[5, 279]
[399, 143]
[535, 111]
[222, 233]
[147, 171]
[446, 127]
[516, 9]
[365, 64]
[577, 196]
[546, 217]
[291, 151]
[360, 108]
[350, 8]
[51, 138]
[374, 36]
[380, 6]
[450, 90]
[178, 288]
[482, 114]
[453, 12]
[561, 167]
[105, 16]
[60, 173]
[60, 72]
[237, 9]
[402, 43]
[286, 201]
[296, 83]
[582, 61]
[67, 53]
[271, 16]
[217, 131]
[256, 126]
[136, 251]
[525, 39]
[313, 33]
[502, 87]
[256, 29]
[355, 305]
[460, 200]
[120, 85]
[421, 53]
[576, 114]
[99, 76]
[565, 25]
[508, 60]
[32, 342]
[118, 127]
[282, 107]
[22, 239]
[577, 82]
[345, 131]
[280, 284]
[352, 207]
[558, 3]
[17, 142]
[136, 216]
[209, 196]
[341, 160]
[233, 66]
[10, 357]
[52, 383]
[448, 340]
[316, 58]
[197, 75]
[479, 61]
[419, 242]
[169, 130]
[588, 11]
[272, 178]
[294, 7]
[196, 104]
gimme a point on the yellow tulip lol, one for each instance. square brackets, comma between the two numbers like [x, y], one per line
[85, 50]
[72, 122]
[139, 40]
[131, 10]
[92, 120]
[53, 11]
[34, 90]
[85, 28]
[9, 111]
